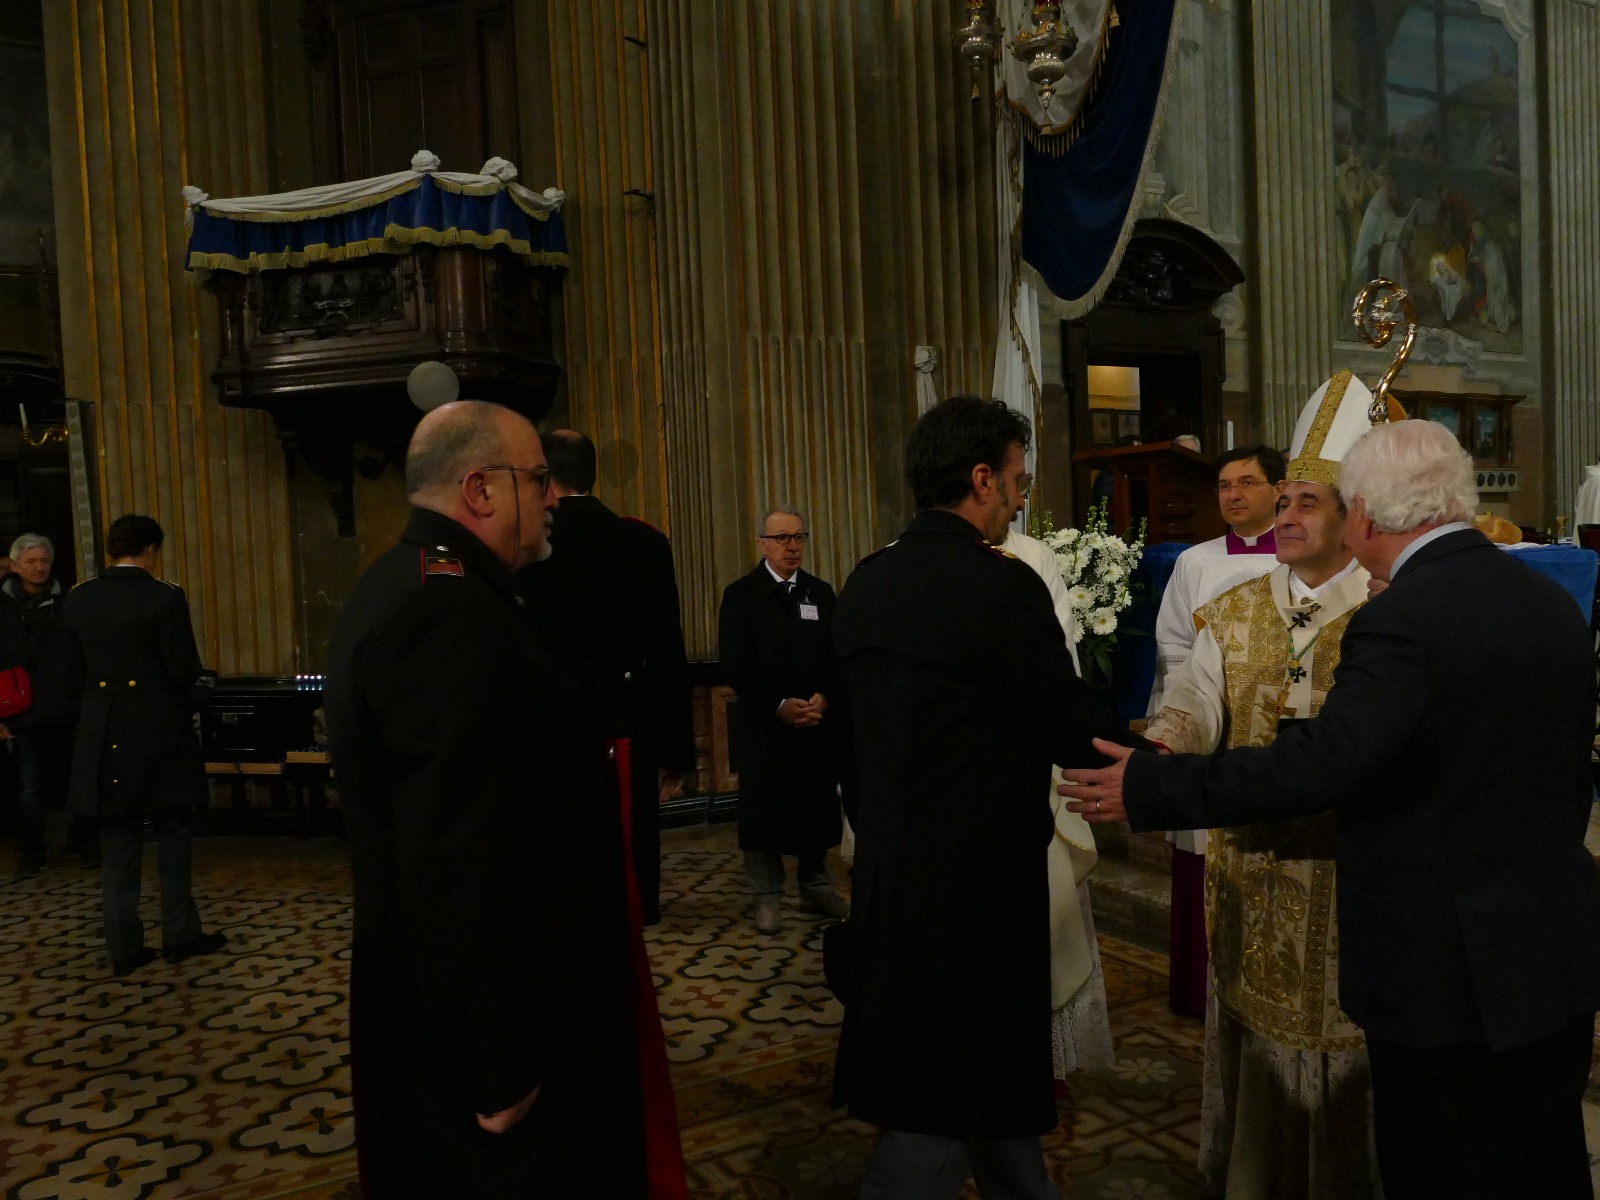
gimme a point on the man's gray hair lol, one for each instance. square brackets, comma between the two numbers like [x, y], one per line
[468, 437]
[1410, 473]
[28, 541]
[785, 509]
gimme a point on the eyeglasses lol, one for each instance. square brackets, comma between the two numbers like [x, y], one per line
[1248, 483]
[1024, 483]
[538, 476]
[783, 539]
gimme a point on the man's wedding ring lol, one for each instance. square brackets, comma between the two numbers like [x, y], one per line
[1097, 806]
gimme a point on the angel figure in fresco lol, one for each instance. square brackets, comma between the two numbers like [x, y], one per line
[1383, 228]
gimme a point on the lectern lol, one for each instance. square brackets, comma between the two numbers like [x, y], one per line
[1168, 485]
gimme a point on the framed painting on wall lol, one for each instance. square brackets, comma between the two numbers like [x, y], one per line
[1102, 428]
[1427, 171]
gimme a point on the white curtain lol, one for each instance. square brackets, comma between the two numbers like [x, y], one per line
[1016, 358]
[496, 175]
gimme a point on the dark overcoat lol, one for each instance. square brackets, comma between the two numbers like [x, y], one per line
[32, 637]
[136, 748]
[770, 652]
[492, 939]
[960, 695]
[609, 584]
[1455, 746]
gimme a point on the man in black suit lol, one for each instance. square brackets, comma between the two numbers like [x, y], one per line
[496, 975]
[136, 753]
[960, 693]
[1455, 746]
[773, 643]
[610, 584]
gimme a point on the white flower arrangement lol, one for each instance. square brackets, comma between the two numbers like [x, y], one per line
[1096, 566]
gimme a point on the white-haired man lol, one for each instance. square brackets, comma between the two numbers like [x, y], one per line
[1455, 747]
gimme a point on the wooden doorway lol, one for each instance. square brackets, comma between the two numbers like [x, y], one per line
[1155, 352]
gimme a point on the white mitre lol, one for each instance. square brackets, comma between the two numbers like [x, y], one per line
[1332, 421]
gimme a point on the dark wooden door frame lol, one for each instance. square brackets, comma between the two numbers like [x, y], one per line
[1157, 309]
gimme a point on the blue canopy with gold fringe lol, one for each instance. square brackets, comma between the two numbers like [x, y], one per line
[387, 214]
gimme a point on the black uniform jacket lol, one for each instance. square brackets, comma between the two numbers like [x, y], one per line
[609, 583]
[1455, 748]
[491, 945]
[961, 694]
[770, 652]
[136, 748]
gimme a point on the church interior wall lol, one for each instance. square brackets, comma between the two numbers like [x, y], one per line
[770, 207]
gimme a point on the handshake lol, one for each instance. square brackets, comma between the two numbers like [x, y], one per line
[802, 714]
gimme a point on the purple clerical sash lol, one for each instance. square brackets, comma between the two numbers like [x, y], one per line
[1267, 543]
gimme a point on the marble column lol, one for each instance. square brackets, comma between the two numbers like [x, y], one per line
[145, 97]
[1572, 347]
[1294, 282]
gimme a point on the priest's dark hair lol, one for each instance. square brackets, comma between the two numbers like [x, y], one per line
[952, 438]
[130, 534]
[571, 458]
[1272, 464]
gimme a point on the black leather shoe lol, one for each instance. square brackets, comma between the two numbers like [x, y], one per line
[129, 965]
[29, 865]
[206, 943]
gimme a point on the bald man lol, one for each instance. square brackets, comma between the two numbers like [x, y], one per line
[503, 1024]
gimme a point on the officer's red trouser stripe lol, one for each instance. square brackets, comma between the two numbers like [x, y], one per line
[663, 1150]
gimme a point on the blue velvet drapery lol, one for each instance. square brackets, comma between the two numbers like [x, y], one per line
[1075, 204]
[427, 213]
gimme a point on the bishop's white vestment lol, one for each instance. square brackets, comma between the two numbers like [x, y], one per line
[1286, 1105]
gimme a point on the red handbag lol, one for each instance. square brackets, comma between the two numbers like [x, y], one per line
[16, 692]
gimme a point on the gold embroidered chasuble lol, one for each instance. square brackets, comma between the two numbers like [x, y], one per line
[1269, 888]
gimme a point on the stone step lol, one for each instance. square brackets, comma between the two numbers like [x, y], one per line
[1132, 900]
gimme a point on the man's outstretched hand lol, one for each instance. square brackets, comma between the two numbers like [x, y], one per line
[1096, 795]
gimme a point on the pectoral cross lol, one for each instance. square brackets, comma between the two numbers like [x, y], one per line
[1296, 672]
[1283, 708]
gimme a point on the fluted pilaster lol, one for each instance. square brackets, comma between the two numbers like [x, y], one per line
[1293, 281]
[1572, 360]
[145, 97]
[825, 206]
[595, 144]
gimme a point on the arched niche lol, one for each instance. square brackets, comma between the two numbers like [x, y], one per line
[1157, 318]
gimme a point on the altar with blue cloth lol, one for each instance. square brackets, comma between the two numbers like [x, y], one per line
[1134, 663]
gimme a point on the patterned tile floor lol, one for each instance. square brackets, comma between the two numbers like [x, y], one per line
[227, 1079]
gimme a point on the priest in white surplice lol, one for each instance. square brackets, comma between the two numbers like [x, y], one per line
[1248, 480]
[1080, 1032]
[1286, 1111]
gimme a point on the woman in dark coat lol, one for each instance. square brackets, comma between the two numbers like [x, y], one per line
[776, 650]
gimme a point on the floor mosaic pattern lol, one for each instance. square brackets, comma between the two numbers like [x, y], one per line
[227, 1077]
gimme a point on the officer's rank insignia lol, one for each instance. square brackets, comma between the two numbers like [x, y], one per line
[439, 564]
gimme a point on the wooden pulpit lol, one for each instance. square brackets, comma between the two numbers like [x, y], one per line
[1168, 485]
